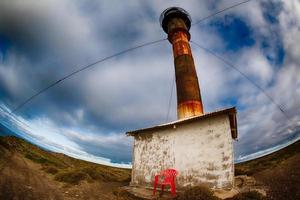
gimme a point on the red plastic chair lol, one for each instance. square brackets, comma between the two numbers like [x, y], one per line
[169, 176]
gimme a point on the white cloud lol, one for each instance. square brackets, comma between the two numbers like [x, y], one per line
[132, 91]
[42, 132]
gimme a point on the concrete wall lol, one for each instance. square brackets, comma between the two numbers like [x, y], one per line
[201, 151]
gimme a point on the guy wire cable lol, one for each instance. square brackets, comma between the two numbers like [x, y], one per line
[114, 55]
[244, 75]
[82, 69]
[220, 11]
[170, 99]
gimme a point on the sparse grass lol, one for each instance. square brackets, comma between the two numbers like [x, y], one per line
[253, 195]
[3, 143]
[197, 193]
[97, 174]
[280, 171]
[75, 175]
[72, 176]
[267, 162]
[283, 180]
[107, 174]
[38, 159]
[50, 169]
[124, 195]
[65, 169]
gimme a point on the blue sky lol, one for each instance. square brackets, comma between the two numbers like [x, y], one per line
[87, 115]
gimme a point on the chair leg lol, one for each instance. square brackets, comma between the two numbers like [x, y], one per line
[154, 187]
[173, 189]
[162, 189]
[155, 184]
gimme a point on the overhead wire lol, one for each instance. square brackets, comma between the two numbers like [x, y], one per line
[220, 11]
[170, 99]
[82, 69]
[114, 55]
[195, 23]
[244, 75]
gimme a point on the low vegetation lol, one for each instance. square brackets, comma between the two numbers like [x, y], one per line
[75, 175]
[50, 169]
[124, 195]
[64, 168]
[204, 193]
[197, 193]
[279, 171]
[72, 176]
[267, 162]
[193, 193]
[253, 195]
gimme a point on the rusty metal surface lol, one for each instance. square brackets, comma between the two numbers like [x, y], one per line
[175, 25]
[186, 80]
[230, 112]
[180, 44]
[189, 101]
[189, 108]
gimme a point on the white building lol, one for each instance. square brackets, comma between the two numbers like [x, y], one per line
[200, 148]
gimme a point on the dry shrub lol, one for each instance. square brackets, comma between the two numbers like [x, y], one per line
[97, 174]
[197, 193]
[72, 177]
[124, 195]
[253, 195]
[283, 181]
[50, 169]
[106, 174]
[240, 171]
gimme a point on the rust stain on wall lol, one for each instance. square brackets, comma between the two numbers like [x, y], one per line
[189, 150]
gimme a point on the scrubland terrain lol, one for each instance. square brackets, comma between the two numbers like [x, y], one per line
[28, 172]
[280, 171]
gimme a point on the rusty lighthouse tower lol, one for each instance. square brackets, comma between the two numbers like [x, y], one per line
[199, 145]
[176, 22]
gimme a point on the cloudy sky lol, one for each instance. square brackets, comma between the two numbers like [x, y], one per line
[87, 115]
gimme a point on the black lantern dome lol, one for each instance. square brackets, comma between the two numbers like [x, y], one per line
[174, 12]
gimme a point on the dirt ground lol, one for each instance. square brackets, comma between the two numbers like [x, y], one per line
[23, 175]
[22, 179]
[283, 180]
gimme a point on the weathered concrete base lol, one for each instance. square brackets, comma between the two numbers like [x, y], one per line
[147, 193]
[199, 148]
[242, 184]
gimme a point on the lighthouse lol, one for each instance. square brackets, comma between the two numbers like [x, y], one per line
[176, 22]
[198, 145]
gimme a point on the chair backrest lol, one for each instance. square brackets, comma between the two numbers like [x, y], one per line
[169, 174]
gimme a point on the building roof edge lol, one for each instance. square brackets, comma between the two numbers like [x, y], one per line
[231, 112]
